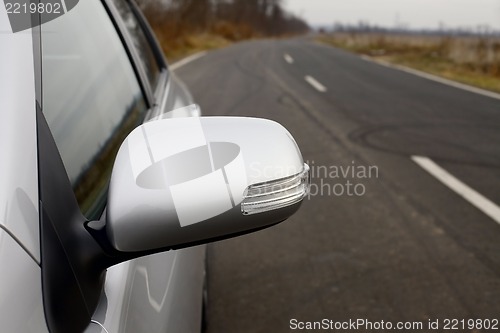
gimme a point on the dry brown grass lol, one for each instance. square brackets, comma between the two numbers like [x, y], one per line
[186, 44]
[471, 60]
[178, 42]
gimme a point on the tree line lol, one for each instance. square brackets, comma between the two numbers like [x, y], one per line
[234, 19]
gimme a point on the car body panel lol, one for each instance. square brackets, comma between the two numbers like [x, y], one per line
[161, 287]
[20, 290]
[18, 171]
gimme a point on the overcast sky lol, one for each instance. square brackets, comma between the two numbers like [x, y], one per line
[387, 13]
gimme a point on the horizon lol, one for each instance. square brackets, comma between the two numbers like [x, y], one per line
[407, 14]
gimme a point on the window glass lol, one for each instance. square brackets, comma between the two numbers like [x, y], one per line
[141, 42]
[91, 98]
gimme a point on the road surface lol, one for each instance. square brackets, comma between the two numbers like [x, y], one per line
[406, 244]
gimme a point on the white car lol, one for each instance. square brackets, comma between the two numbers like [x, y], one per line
[110, 182]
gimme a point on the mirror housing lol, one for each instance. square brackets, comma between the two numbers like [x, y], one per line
[184, 181]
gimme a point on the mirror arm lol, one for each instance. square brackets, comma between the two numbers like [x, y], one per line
[110, 256]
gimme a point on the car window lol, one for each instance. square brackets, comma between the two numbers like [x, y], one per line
[141, 42]
[91, 97]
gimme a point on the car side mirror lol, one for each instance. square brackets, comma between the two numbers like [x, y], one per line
[185, 181]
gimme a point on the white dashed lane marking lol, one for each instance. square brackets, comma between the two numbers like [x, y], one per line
[312, 81]
[288, 58]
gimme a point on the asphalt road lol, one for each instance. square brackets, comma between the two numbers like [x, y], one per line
[409, 248]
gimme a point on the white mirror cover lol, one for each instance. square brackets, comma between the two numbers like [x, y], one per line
[174, 174]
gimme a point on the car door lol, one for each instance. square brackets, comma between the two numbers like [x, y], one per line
[102, 75]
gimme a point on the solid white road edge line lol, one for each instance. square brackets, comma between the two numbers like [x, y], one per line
[187, 60]
[469, 194]
[432, 77]
[318, 86]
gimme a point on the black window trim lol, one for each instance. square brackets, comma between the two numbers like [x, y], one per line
[155, 45]
[161, 86]
[153, 95]
[133, 56]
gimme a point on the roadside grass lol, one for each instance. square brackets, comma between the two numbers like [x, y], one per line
[470, 60]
